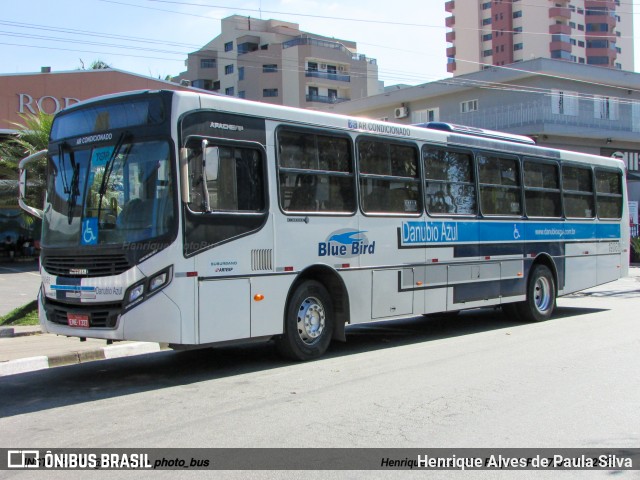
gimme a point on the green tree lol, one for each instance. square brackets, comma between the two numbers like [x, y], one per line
[33, 136]
[99, 65]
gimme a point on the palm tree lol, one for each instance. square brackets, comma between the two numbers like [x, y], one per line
[32, 136]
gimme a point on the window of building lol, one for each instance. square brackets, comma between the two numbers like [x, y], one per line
[229, 91]
[316, 172]
[542, 189]
[207, 63]
[242, 94]
[577, 188]
[517, 30]
[449, 182]
[240, 73]
[486, 21]
[605, 108]
[270, 92]
[389, 177]
[499, 180]
[517, 14]
[312, 66]
[228, 46]
[487, 53]
[486, 5]
[561, 54]
[581, 27]
[518, 46]
[228, 69]
[424, 116]
[332, 94]
[216, 85]
[203, 84]
[580, 43]
[313, 92]
[269, 68]
[572, 24]
[609, 194]
[469, 106]
[486, 37]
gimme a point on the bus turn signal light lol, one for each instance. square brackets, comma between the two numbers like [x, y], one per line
[258, 297]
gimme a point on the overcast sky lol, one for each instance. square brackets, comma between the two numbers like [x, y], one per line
[407, 37]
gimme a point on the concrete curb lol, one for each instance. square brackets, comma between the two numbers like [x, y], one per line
[32, 364]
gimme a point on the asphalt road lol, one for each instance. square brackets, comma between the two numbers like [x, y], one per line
[476, 380]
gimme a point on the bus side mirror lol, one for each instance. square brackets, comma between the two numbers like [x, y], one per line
[30, 191]
[210, 165]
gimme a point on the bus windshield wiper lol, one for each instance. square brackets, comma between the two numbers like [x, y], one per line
[73, 191]
[108, 169]
[63, 172]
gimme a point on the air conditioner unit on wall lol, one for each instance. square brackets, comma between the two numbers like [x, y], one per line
[401, 112]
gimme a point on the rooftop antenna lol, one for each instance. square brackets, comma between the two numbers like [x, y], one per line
[260, 9]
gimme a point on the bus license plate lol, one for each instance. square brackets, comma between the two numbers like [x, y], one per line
[76, 320]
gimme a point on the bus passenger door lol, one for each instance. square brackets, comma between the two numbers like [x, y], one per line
[224, 310]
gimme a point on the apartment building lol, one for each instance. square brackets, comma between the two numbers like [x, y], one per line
[274, 61]
[500, 32]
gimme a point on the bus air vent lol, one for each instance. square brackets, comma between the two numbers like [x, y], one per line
[262, 259]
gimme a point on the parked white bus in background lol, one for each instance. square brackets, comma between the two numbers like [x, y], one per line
[201, 220]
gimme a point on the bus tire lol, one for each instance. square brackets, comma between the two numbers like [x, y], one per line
[541, 295]
[308, 322]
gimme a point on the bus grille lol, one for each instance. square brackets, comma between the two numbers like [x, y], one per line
[86, 266]
[262, 259]
[99, 317]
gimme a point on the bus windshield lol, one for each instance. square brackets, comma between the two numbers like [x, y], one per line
[109, 195]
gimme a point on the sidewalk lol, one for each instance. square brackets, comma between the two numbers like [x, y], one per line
[26, 349]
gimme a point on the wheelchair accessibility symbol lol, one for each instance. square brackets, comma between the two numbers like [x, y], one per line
[89, 231]
[516, 232]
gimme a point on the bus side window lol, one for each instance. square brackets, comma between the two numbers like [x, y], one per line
[449, 182]
[389, 177]
[315, 172]
[609, 194]
[577, 190]
[542, 189]
[499, 179]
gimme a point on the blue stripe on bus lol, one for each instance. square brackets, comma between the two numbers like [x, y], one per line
[447, 232]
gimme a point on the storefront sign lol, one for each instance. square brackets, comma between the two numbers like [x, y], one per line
[46, 104]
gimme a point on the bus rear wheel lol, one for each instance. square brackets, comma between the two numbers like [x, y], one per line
[541, 296]
[308, 323]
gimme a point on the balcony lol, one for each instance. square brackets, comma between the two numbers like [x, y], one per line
[538, 116]
[451, 65]
[451, 36]
[451, 51]
[326, 99]
[450, 21]
[560, 12]
[449, 6]
[559, 29]
[326, 75]
[558, 45]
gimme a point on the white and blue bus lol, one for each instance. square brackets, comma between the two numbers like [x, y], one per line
[200, 220]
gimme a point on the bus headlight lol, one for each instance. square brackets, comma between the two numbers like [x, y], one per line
[142, 290]
[135, 293]
[158, 281]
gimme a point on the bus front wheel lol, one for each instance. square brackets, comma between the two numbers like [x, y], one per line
[541, 295]
[308, 323]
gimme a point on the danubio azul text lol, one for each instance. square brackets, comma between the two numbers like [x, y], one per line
[416, 233]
